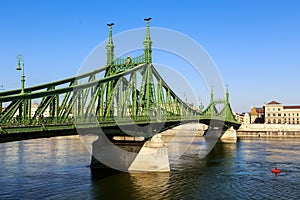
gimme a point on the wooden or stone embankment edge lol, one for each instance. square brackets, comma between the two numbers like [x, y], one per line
[269, 130]
[291, 134]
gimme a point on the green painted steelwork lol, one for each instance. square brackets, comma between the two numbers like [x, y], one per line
[110, 46]
[20, 59]
[126, 91]
[148, 43]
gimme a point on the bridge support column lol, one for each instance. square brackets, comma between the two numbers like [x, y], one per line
[114, 154]
[229, 136]
[131, 156]
[153, 157]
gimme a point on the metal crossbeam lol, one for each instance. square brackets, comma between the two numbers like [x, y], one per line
[115, 95]
[129, 90]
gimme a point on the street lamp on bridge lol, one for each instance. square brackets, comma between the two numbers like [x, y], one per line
[20, 59]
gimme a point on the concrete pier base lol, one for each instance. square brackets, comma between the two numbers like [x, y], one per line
[114, 154]
[153, 157]
[127, 154]
[229, 136]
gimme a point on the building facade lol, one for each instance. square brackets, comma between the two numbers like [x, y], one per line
[277, 113]
[257, 115]
[243, 118]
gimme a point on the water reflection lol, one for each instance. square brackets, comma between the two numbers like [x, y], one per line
[223, 150]
[193, 178]
[182, 142]
[122, 185]
[189, 178]
[58, 168]
[151, 185]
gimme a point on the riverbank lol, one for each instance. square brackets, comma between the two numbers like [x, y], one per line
[269, 130]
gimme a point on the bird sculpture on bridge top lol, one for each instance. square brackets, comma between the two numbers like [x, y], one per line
[111, 24]
[148, 19]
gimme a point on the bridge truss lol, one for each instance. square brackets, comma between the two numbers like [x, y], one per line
[126, 91]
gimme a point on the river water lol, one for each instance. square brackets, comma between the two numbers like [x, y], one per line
[58, 168]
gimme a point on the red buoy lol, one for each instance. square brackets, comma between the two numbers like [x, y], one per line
[276, 170]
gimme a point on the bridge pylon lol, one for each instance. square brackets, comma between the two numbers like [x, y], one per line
[148, 43]
[110, 46]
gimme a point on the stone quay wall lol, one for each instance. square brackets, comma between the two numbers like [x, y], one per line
[269, 130]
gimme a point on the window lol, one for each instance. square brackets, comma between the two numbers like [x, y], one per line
[279, 121]
[273, 109]
[278, 109]
[274, 121]
[274, 114]
[269, 114]
[279, 114]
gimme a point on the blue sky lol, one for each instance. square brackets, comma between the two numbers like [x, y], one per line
[255, 44]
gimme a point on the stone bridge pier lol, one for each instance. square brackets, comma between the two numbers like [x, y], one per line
[130, 154]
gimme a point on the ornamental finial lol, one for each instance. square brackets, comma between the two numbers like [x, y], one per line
[147, 28]
[147, 42]
[110, 33]
[110, 46]
[211, 94]
[227, 94]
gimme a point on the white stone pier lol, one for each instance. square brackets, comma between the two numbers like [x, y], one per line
[153, 157]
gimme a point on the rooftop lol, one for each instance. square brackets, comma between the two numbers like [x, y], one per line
[291, 107]
[273, 102]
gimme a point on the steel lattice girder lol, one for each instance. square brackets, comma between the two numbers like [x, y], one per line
[152, 97]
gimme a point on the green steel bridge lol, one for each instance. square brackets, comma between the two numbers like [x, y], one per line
[127, 93]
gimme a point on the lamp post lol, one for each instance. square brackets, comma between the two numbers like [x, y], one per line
[20, 59]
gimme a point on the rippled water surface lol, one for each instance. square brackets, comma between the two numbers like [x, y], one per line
[58, 168]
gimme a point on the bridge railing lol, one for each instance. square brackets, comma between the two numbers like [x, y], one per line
[125, 61]
[92, 121]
